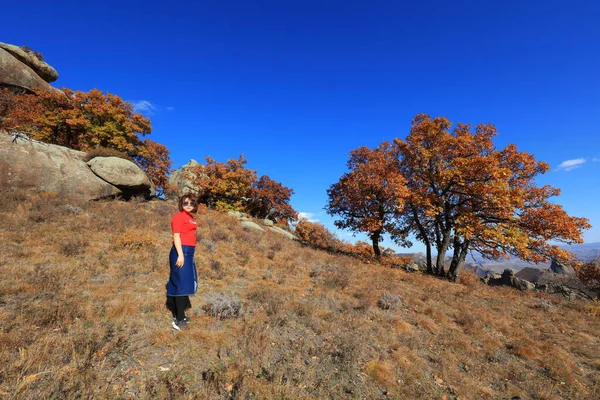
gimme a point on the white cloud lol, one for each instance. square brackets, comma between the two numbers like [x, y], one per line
[570, 165]
[310, 217]
[143, 106]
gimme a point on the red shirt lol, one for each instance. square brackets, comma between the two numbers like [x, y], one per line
[184, 224]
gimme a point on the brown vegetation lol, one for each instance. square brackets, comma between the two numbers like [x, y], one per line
[83, 316]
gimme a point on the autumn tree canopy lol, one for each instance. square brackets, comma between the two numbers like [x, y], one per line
[464, 194]
[85, 121]
[369, 198]
[271, 200]
[231, 186]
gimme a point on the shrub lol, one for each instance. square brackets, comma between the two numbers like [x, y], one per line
[389, 301]
[102, 151]
[316, 235]
[222, 306]
[73, 247]
[135, 240]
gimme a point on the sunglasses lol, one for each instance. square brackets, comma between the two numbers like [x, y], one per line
[188, 203]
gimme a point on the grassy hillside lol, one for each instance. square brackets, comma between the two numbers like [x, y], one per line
[82, 315]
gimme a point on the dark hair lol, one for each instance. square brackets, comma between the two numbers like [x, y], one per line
[190, 198]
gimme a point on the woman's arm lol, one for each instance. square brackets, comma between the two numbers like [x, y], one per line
[177, 243]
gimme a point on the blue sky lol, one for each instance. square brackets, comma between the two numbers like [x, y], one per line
[296, 85]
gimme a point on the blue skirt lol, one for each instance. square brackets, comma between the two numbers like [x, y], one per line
[182, 281]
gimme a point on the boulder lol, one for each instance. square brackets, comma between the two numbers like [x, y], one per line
[530, 274]
[45, 167]
[561, 269]
[251, 226]
[182, 179]
[15, 74]
[42, 69]
[283, 232]
[522, 284]
[267, 222]
[121, 173]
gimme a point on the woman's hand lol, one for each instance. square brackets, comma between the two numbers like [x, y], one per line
[179, 262]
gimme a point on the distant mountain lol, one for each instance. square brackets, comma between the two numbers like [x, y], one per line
[583, 252]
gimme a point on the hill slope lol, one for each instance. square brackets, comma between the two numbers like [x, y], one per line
[83, 315]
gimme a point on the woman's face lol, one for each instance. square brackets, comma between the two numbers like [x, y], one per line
[188, 205]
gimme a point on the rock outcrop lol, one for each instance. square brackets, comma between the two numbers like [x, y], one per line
[121, 173]
[46, 167]
[508, 278]
[182, 178]
[42, 69]
[561, 269]
[39, 166]
[17, 75]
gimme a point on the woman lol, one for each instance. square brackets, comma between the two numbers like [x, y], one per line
[183, 279]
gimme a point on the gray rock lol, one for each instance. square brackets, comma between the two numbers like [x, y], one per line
[561, 269]
[251, 226]
[522, 284]
[283, 232]
[183, 178]
[15, 74]
[45, 167]
[267, 222]
[121, 173]
[41, 68]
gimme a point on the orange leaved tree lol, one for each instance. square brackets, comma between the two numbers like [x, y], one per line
[78, 120]
[464, 194]
[224, 186]
[154, 159]
[85, 121]
[271, 200]
[370, 197]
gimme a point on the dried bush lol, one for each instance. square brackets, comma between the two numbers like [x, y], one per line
[101, 151]
[73, 247]
[389, 301]
[222, 306]
[136, 240]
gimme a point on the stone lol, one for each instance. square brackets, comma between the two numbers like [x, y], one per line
[283, 232]
[251, 226]
[15, 74]
[561, 269]
[182, 179]
[522, 284]
[267, 222]
[121, 173]
[41, 68]
[38, 166]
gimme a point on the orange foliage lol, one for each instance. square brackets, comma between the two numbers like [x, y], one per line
[316, 235]
[589, 273]
[84, 121]
[271, 200]
[154, 159]
[224, 186]
[369, 197]
[78, 120]
[466, 195]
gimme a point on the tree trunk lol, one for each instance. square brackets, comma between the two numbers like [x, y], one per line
[428, 253]
[458, 259]
[375, 240]
[441, 256]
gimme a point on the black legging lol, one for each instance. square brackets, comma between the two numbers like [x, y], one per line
[177, 305]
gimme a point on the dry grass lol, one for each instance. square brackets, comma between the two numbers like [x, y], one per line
[82, 315]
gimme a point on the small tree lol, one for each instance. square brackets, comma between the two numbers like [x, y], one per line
[154, 159]
[224, 186]
[270, 199]
[370, 197]
[316, 235]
